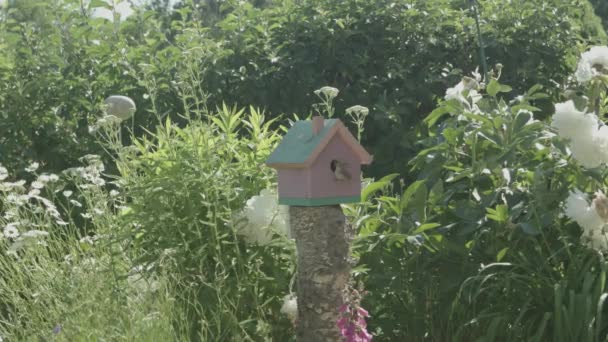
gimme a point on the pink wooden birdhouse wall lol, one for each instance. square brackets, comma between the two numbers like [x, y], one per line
[319, 163]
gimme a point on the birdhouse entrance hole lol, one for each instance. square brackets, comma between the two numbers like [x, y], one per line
[332, 165]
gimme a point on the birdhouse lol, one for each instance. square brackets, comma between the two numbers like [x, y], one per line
[319, 163]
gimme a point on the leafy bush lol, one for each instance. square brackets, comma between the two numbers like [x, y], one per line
[186, 189]
[601, 9]
[478, 247]
[390, 56]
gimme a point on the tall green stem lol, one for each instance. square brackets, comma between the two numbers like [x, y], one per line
[482, 53]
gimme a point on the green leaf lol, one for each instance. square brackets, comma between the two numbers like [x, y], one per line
[521, 119]
[425, 227]
[501, 254]
[493, 87]
[376, 186]
[500, 214]
[99, 3]
[435, 115]
[409, 193]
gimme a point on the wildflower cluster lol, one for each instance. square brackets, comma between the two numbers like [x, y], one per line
[91, 173]
[327, 95]
[25, 212]
[351, 323]
[264, 217]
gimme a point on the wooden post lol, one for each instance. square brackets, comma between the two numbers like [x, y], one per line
[322, 240]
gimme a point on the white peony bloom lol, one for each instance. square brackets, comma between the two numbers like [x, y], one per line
[290, 306]
[120, 106]
[578, 209]
[572, 123]
[264, 217]
[584, 150]
[588, 140]
[593, 63]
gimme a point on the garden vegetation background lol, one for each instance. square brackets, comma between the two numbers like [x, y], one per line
[162, 227]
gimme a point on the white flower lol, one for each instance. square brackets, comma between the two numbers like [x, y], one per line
[264, 217]
[10, 231]
[87, 240]
[8, 186]
[32, 167]
[120, 106]
[572, 123]
[357, 110]
[34, 234]
[3, 173]
[596, 240]
[75, 203]
[329, 92]
[67, 193]
[464, 90]
[290, 306]
[114, 193]
[37, 184]
[593, 63]
[578, 209]
[588, 140]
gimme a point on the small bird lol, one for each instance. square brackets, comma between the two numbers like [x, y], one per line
[339, 170]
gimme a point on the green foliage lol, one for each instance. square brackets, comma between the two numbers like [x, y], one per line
[186, 188]
[58, 284]
[478, 248]
[473, 247]
[390, 56]
[601, 9]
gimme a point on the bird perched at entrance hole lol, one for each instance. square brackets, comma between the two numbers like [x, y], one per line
[339, 170]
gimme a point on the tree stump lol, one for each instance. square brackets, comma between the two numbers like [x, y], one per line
[322, 241]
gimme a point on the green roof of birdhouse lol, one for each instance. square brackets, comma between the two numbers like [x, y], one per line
[300, 146]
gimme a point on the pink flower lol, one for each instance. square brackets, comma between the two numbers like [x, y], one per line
[352, 324]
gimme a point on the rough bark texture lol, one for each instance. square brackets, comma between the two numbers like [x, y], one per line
[322, 240]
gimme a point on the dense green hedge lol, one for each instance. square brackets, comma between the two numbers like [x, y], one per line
[391, 56]
[601, 9]
[58, 63]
